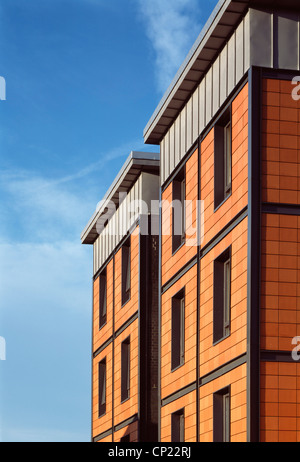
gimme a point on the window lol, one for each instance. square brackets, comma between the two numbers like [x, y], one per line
[102, 387]
[126, 272]
[102, 299]
[178, 324]
[221, 414]
[222, 297]
[125, 369]
[178, 211]
[177, 426]
[223, 154]
[125, 439]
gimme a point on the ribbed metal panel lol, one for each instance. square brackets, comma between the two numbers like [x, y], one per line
[177, 140]
[208, 96]
[202, 106]
[216, 85]
[182, 136]
[263, 39]
[220, 80]
[231, 64]
[189, 122]
[239, 52]
[195, 115]
[223, 74]
[287, 35]
[246, 27]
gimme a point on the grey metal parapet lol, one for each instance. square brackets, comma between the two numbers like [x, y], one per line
[222, 23]
[135, 163]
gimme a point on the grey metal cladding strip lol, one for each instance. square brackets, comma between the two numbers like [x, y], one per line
[226, 230]
[223, 369]
[126, 422]
[179, 274]
[126, 324]
[218, 10]
[179, 394]
[102, 347]
[102, 435]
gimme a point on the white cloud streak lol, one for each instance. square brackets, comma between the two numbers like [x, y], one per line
[172, 26]
[48, 210]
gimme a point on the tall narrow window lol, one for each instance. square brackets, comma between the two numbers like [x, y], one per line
[125, 439]
[178, 210]
[126, 270]
[125, 369]
[102, 298]
[177, 426]
[222, 295]
[223, 155]
[102, 387]
[221, 414]
[178, 326]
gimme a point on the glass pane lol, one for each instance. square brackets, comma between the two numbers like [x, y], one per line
[127, 287]
[182, 198]
[181, 330]
[226, 416]
[227, 152]
[226, 293]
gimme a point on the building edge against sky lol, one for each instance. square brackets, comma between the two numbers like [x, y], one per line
[194, 342]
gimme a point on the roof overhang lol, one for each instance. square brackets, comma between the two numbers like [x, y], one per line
[220, 26]
[136, 163]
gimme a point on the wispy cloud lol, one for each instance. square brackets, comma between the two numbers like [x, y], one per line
[45, 306]
[37, 209]
[45, 209]
[172, 26]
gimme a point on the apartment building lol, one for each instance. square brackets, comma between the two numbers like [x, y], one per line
[228, 256]
[125, 305]
[228, 129]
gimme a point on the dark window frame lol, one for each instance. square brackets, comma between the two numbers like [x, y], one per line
[223, 158]
[178, 330]
[102, 387]
[178, 197]
[177, 426]
[221, 415]
[222, 296]
[102, 298]
[126, 271]
[125, 369]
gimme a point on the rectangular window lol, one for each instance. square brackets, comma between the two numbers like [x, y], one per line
[126, 270]
[125, 369]
[102, 387]
[178, 210]
[177, 426]
[102, 298]
[221, 414]
[223, 156]
[222, 296]
[178, 326]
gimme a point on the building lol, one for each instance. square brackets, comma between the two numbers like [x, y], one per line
[125, 305]
[228, 128]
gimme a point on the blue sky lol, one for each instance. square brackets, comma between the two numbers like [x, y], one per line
[83, 78]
